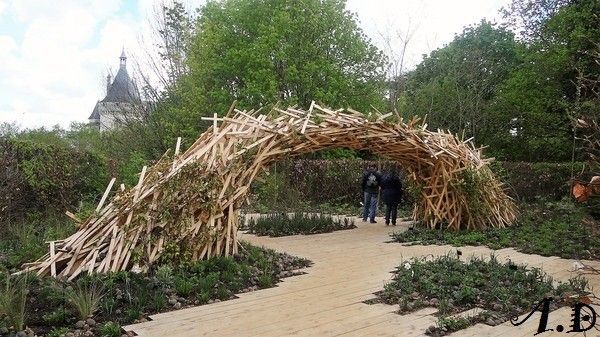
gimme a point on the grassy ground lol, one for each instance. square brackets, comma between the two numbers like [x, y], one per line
[453, 286]
[54, 308]
[546, 228]
[281, 224]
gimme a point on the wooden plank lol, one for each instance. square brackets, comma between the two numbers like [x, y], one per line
[53, 263]
[105, 195]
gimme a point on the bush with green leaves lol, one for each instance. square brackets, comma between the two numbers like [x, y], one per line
[282, 224]
[40, 176]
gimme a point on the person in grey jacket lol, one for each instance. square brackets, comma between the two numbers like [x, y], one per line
[370, 186]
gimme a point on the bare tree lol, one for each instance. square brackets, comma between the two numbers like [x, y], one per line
[395, 45]
[148, 125]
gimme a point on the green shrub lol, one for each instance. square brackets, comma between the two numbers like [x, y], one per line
[222, 293]
[453, 323]
[38, 176]
[109, 305]
[203, 296]
[207, 283]
[110, 329]
[129, 171]
[133, 313]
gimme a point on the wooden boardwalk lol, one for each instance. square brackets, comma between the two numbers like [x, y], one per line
[328, 300]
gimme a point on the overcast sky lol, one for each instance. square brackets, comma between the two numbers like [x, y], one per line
[54, 54]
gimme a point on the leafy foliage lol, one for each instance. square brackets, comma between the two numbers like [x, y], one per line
[260, 52]
[39, 176]
[455, 84]
[124, 297]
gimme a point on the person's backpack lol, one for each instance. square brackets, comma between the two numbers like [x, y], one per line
[372, 180]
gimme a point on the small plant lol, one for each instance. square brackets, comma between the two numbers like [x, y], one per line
[203, 297]
[208, 283]
[164, 275]
[57, 332]
[56, 317]
[85, 297]
[133, 313]
[453, 323]
[13, 299]
[159, 302]
[265, 280]
[110, 329]
[223, 293]
[108, 305]
[184, 286]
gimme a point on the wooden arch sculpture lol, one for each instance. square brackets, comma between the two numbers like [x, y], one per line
[186, 205]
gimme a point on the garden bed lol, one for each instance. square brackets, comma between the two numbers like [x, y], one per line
[546, 228]
[98, 305]
[453, 286]
[282, 224]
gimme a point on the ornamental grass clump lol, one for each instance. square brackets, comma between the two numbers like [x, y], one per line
[85, 297]
[13, 299]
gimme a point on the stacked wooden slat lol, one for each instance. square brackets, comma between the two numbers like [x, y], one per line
[186, 205]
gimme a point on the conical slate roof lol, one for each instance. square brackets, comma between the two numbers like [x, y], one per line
[123, 89]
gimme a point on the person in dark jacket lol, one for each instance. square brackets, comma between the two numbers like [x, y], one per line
[391, 193]
[370, 186]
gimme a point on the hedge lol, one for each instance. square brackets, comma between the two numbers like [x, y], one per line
[38, 177]
[338, 181]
